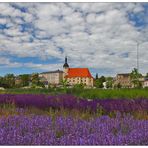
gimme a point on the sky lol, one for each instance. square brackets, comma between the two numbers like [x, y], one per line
[36, 37]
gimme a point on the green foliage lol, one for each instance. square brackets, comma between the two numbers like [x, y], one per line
[3, 83]
[64, 84]
[35, 79]
[99, 82]
[119, 85]
[78, 86]
[25, 78]
[9, 81]
[76, 89]
[135, 75]
[146, 75]
[109, 82]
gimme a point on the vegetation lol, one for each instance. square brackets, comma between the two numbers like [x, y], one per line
[79, 91]
[112, 93]
[30, 122]
[99, 81]
[135, 75]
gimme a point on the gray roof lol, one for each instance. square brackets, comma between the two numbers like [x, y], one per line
[56, 71]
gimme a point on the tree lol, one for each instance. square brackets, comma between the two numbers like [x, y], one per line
[3, 83]
[96, 76]
[102, 79]
[25, 78]
[35, 79]
[9, 80]
[99, 82]
[146, 75]
[109, 82]
[64, 84]
[119, 85]
[135, 75]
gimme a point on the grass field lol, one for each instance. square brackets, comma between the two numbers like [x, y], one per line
[86, 93]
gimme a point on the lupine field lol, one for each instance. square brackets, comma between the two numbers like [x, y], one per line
[42, 119]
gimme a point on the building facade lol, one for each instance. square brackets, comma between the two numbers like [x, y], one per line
[72, 75]
[52, 77]
[77, 75]
[123, 80]
[145, 83]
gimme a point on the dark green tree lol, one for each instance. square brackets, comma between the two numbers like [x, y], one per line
[99, 82]
[102, 79]
[119, 85]
[96, 76]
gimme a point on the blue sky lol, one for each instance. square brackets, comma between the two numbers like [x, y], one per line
[36, 37]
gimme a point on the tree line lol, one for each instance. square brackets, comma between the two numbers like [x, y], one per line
[12, 81]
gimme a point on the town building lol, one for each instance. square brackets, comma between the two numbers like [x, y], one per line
[18, 80]
[71, 75]
[77, 75]
[52, 77]
[123, 80]
[145, 83]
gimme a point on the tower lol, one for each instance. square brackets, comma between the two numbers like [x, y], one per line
[65, 67]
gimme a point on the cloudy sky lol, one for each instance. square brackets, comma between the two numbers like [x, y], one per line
[35, 37]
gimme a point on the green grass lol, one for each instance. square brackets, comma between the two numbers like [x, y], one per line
[85, 93]
[113, 93]
[51, 91]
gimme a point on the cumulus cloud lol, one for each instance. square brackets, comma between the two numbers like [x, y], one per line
[94, 35]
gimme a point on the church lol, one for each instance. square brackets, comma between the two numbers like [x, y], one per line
[72, 75]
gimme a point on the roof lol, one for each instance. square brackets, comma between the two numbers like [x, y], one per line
[146, 79]
[56, 71]
[123, 74]
[78, 72]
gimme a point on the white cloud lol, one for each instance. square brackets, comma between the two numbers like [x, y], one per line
[93, 35]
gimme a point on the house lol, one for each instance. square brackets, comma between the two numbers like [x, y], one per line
[77, 75]
[123, 80]
[18, 80]
[145, 83]
[52, 77]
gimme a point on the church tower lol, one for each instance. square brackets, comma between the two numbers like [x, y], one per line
[65, 67]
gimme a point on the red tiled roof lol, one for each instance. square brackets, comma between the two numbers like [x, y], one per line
[78, 72]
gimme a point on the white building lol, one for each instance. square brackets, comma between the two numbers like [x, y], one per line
[145, 83]
[52, 77]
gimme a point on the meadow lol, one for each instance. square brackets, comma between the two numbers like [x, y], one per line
[85, 93]
[84, 117]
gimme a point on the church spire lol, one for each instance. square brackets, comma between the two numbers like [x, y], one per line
[66, 64]
[66, 59]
